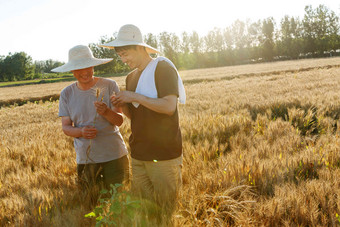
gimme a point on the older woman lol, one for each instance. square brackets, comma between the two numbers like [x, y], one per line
[88, 116]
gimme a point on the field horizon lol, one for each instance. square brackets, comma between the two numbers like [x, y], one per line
[51, 91]
[260, 144]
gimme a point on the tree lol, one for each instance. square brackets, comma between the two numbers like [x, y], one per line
[196, 49]
[151, 40]
[309, 28]
[327, 28]
[195, 43]
[186, 60]
[320, 30]
[51, 64]
[334, 29]
[2, 68]
[210, 50]
[289, 43]
[39, 67]
[17, 66]
[228, 53]
[238, 31]
[214, 41]
[185, 44]
[169, 45]
[268, 38]
[214, 48]
[253, 39]
[114, 66]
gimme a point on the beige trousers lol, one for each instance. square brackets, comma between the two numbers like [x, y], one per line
[160, 180]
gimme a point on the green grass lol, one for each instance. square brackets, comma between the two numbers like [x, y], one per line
[51, 80]
[36, 81]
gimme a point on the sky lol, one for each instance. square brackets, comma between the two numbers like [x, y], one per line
[47, 29]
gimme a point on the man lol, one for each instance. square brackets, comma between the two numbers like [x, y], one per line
[88, 116]
[150, 101]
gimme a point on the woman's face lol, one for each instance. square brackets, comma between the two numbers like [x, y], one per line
[84, 76]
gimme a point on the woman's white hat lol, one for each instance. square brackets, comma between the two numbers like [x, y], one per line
[80, 57]
[129, 35]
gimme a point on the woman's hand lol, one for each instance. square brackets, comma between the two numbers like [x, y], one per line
[89, 132]
[101, 107]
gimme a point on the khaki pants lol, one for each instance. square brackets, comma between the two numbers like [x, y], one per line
[159, 180]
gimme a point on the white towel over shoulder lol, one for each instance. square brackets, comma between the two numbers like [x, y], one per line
[146, 83]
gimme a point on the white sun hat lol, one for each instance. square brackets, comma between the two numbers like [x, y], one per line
[80, 57]
[129, 35]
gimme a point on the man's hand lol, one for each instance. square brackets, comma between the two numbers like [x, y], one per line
[122, 98]
[101, 107]
[88, 132]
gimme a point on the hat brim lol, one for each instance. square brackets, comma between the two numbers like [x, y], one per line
[81, 64]
[118, 43]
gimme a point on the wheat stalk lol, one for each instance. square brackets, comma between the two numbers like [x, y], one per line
[98, 92]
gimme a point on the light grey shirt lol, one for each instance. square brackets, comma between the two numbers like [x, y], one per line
[79, 106]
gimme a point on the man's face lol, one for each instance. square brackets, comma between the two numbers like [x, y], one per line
[84, 76]
[131, 57]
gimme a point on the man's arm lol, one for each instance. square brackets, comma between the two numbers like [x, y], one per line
[166, 105]
[88, 132]
[167, 90]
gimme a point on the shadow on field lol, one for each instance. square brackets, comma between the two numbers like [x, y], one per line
[20, 102]
[65, 209]
[307, 117]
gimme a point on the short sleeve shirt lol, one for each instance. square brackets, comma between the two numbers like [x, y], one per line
[79, 106]
[155, 136]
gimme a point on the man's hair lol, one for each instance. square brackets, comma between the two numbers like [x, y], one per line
[123, 48]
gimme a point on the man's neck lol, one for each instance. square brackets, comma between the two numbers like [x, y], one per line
[87, 86]
[145, 61]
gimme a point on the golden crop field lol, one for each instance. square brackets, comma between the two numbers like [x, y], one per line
[9, 94]
[261, 148]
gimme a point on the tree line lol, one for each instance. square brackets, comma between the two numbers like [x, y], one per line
[20, 66]
[317, 34]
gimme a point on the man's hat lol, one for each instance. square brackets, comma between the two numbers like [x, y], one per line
[129, 35]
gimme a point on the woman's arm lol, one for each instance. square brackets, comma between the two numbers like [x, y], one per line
[114, 115]
[87, 132]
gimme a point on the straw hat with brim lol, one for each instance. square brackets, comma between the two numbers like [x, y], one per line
[80, 57]
[129, 35]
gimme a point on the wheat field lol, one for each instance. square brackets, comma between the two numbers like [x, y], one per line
[260, 142]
